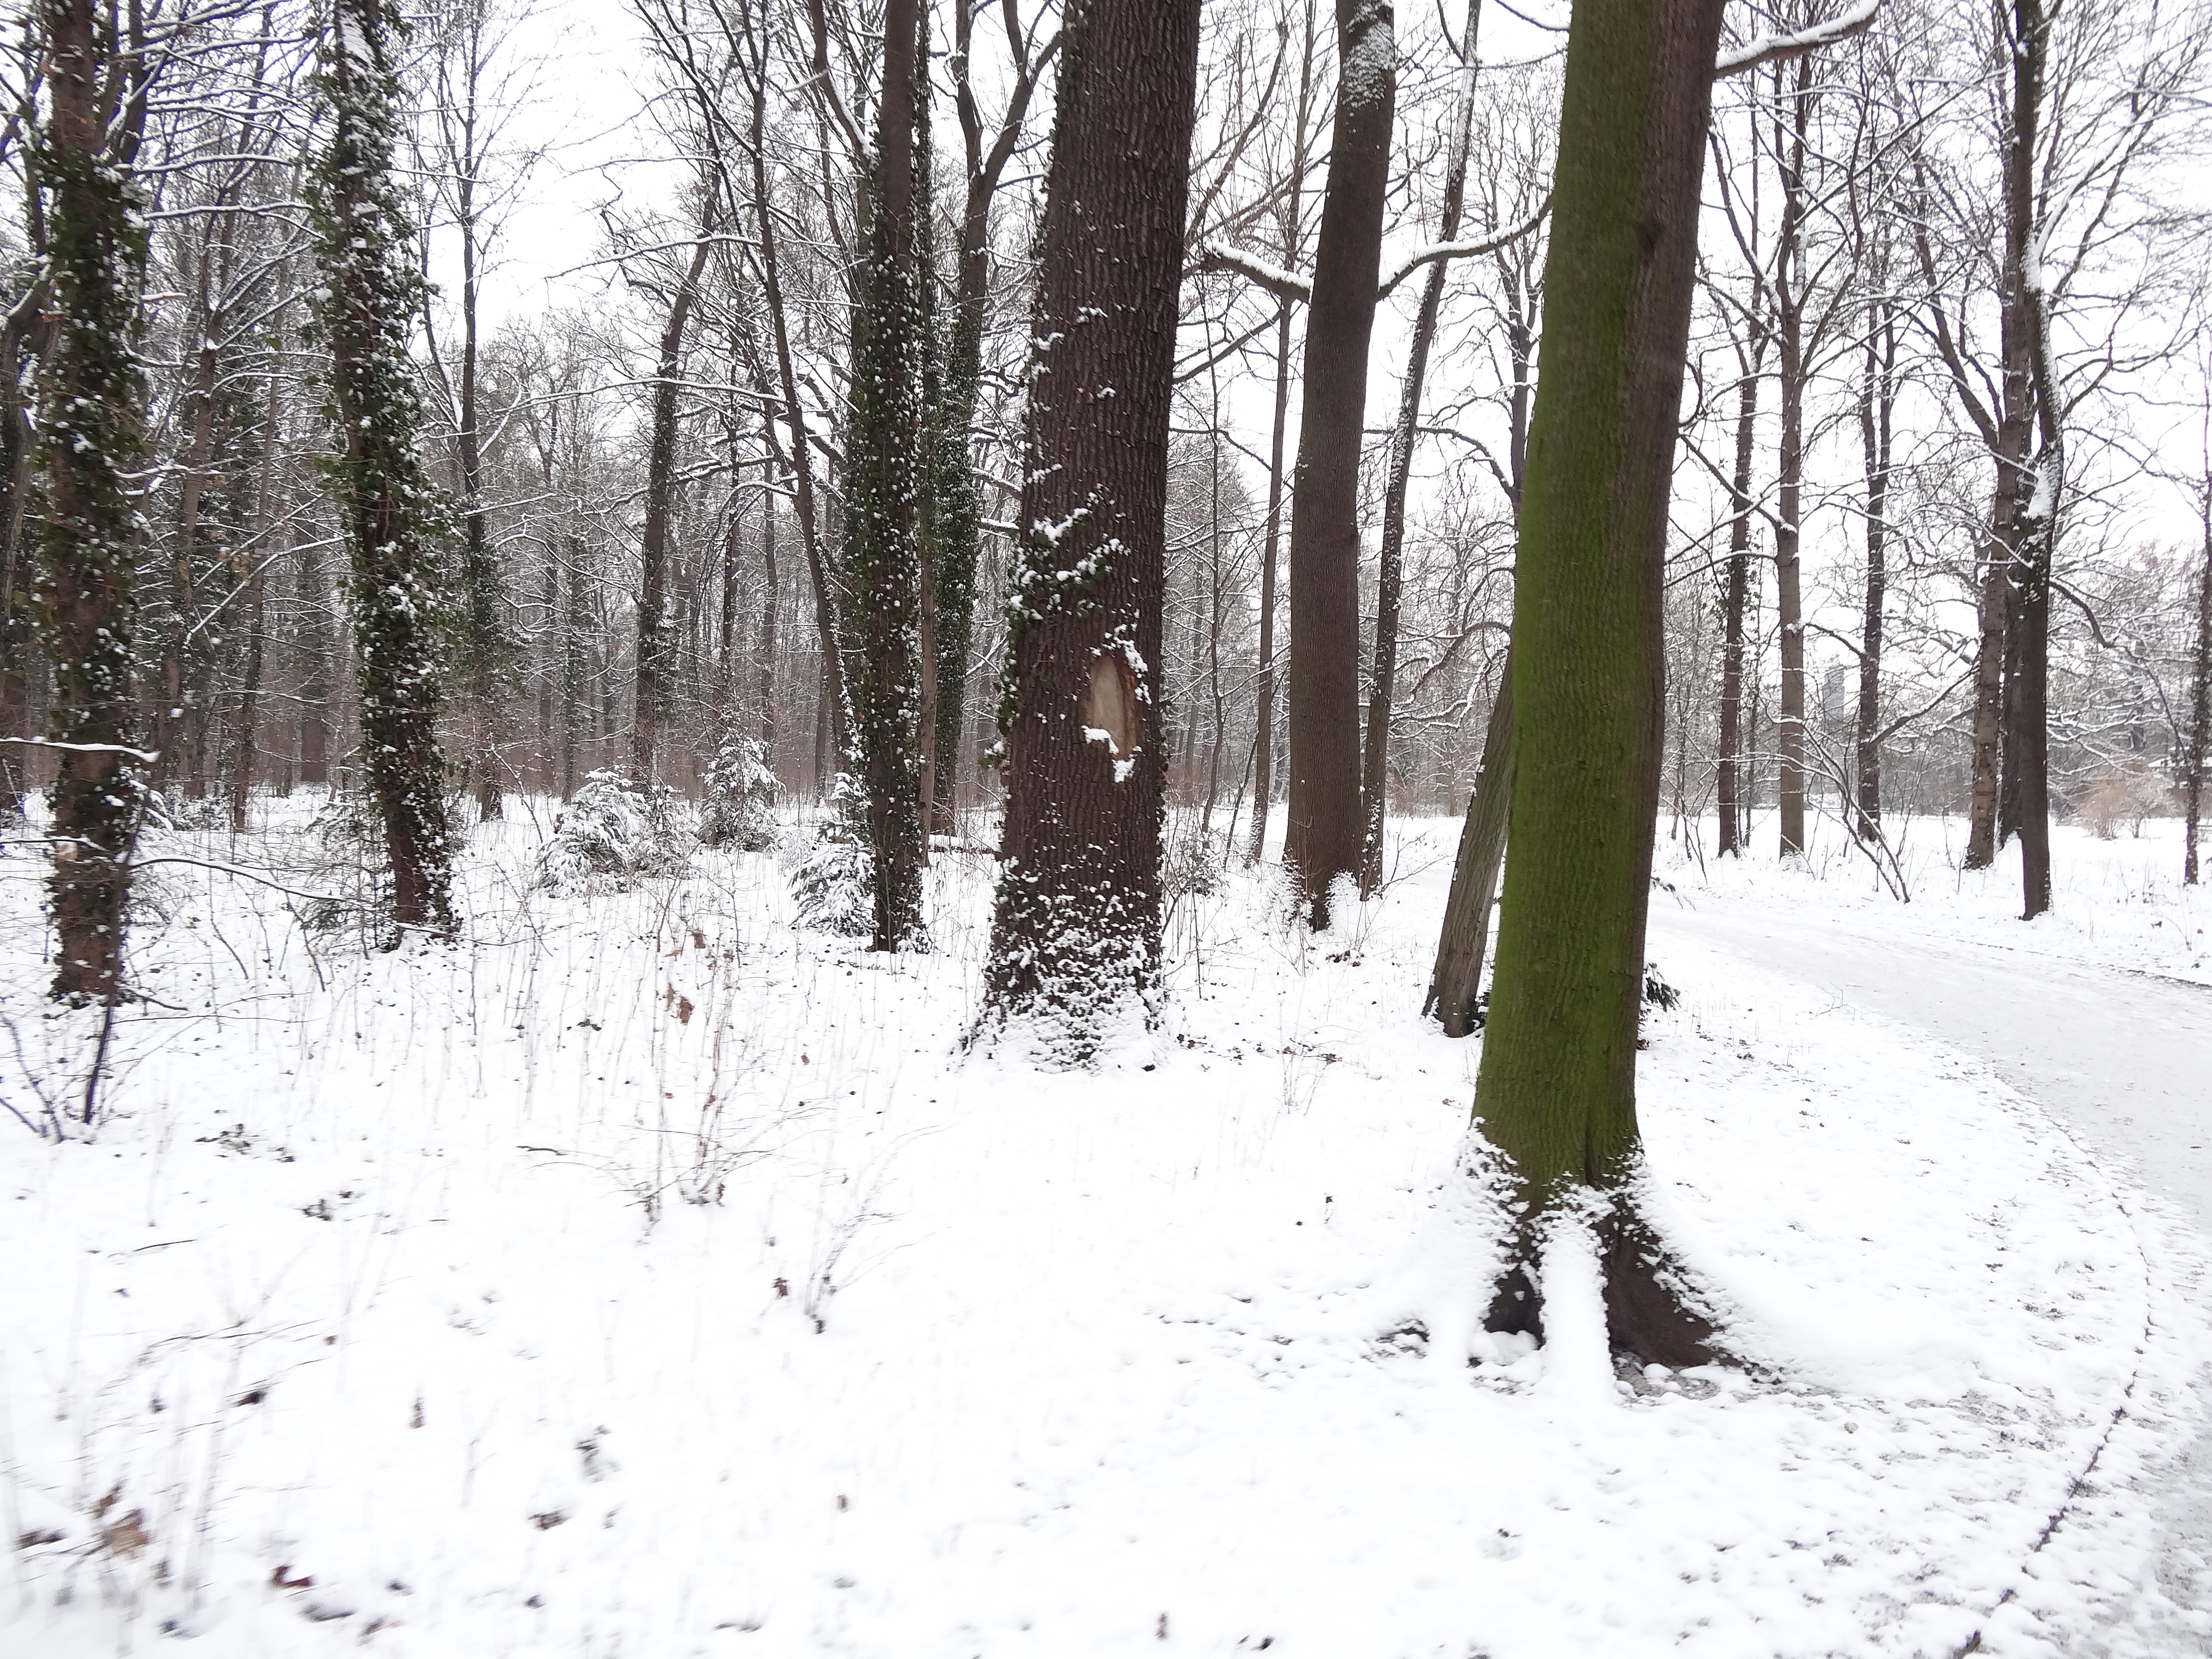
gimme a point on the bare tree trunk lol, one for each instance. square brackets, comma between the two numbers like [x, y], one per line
[655, 645]
[2200, 694]
[768, 599]
[833, 719]
[1324, 836]
[1075, 934]
[2040, 513]
[1877, 407]
[1790, 150]
[1263, 776]
[1382, 682]
[1732, 783]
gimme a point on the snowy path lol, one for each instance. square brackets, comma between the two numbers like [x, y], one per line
[2125, 1059]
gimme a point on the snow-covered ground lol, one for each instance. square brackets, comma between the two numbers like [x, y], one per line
[647, 1278]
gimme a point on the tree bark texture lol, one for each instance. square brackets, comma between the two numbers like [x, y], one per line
[1733, 781]
[887, 476]
[1075, 934]
[2045, 483]
[1790, 300]
[1263, 754]
[1556, 1093]
[655, 639]
[2200, 696]
[1323, 840]
[1877, 411]
[91, 435]
[1383, 680]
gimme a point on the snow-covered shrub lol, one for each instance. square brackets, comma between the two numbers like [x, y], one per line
[834, 884]
[348, 870]
[612, 833]
[739, 809]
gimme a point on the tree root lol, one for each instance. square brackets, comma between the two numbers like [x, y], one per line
[1650, 1315]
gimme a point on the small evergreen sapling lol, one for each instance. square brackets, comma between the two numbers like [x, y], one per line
[834, 884]
[740, 806]
[612, 835]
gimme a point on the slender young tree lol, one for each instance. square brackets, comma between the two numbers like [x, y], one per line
[1075, 934]
[91, 417]
[1556, 1094]
[1383, 680]
[370, 293]
[1323, 840]
[2200, 692]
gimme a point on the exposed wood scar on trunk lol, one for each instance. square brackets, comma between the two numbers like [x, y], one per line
[1110, 704]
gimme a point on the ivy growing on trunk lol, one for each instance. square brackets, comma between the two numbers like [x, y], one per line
[393, 521]
[91, 438]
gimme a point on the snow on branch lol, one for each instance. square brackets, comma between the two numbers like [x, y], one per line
[1414, 261]
[1288, 285]
[1283, 284]
[1777, 48]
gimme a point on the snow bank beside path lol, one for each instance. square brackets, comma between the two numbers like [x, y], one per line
[649, 1278]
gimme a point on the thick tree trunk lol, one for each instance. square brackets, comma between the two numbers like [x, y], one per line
[1790, 149]
[1324, 841]
[1556, 1095]
[91, 405]
[654, 642]
[21, 344]
[1075, 934]
[1732, 784]
[886, 478]
[314, 645]
[1456, 985]
[1383, 679]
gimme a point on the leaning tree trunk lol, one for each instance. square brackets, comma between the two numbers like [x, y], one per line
[370, 292]
[1382, 681]
[1324, 836]
[1456, 984]
[655, 641]
[1556, 1095]
[1075, 934]
[91, 418]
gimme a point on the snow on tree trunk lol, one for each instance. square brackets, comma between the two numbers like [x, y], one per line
[391, 518]
[1556, 1095]
[91, 416]
[1075, 935]
[1323, 840]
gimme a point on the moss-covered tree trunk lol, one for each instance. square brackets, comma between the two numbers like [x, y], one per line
[1075, 934]
[1323, 839]
[1556, 1094]
[1455, 986]
[91, 420]
[369, 295]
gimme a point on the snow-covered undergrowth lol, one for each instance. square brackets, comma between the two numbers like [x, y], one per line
[648, 1277]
